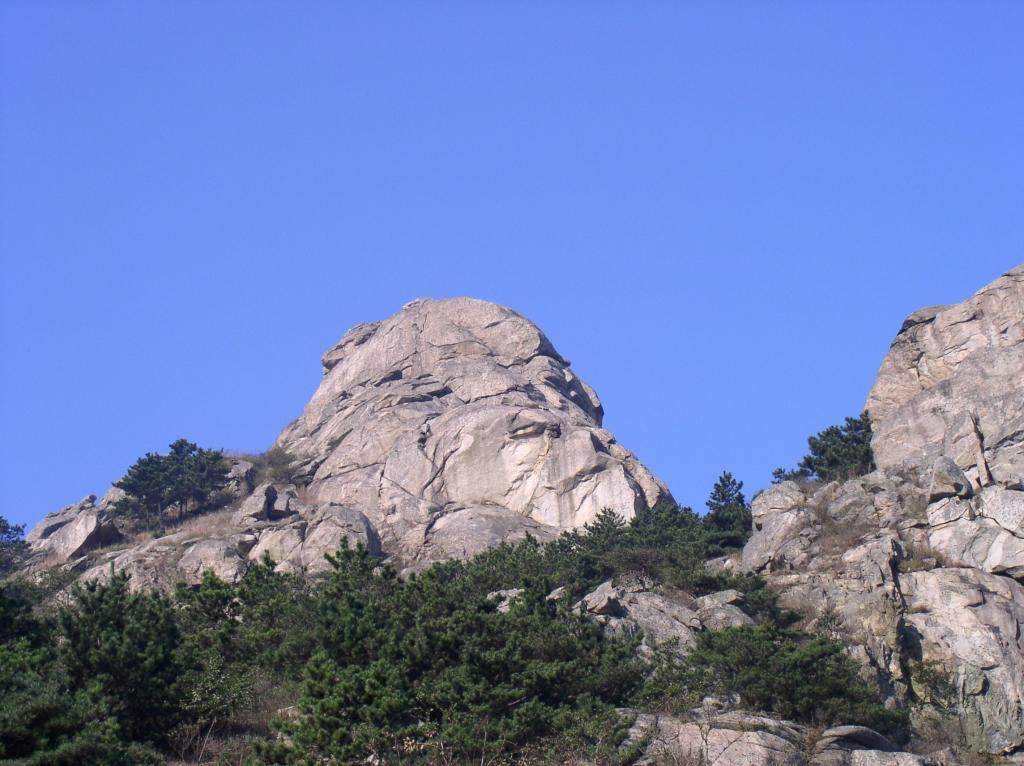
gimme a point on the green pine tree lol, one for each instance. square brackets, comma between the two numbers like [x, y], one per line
[12, 547]
[837, 453]
[728, 519]
[166, 488]
[125, 645]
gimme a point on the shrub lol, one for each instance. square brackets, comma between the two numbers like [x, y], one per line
[124, 645]
[408, 668]
[788, 673]
[12, 548]
[275, 465]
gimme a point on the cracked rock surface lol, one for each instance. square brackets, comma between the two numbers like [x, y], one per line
[920, 560]
[455, 425]
[449, 428]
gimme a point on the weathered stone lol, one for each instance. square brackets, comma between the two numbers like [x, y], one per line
[328, 527]
[72, 531]
[948, 480]
[986, 532]
[736, 738]
[951, 385]
[150, 565]
[504, 598]
[780, 514]
[221, 557]
[634, 606]
[459, 416]
[971, 623]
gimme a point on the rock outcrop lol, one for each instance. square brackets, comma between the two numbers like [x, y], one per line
[951, 386]
[456, 425]
[635, 607]
[917, 564]
[732, 738]
[73, 530]
[449, 428]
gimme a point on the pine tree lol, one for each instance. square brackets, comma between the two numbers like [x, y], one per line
[12, 547]
[187, 479]
[125, 645]
[728, 520]
[835, 454]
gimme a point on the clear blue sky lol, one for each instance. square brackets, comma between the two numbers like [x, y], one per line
[720, 212]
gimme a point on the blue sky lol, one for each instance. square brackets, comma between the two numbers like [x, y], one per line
[720, 212]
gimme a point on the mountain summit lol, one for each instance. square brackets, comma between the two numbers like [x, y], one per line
[448, 428]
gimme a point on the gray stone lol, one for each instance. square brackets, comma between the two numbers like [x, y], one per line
[948, 480]
[72, 531]
[951, 385]
[221, 557]
[633, 606]
[460, 407]
[738, 738]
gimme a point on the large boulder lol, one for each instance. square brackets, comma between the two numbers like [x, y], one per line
[461, 410]
[634, 606]
[72, 531]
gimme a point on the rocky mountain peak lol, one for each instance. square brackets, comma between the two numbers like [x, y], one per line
[951, 385]
[919, 564]
[450, 427]
[455, 424]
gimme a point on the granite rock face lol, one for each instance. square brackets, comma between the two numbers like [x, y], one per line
[455, 425]
[917, 564]
[73, 530]
[951, 386]
[449, 428]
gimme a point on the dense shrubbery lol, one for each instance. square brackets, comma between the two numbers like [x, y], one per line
[839, 452]
[165, 488]
[788, 673]
[418, 669]
[426, 669]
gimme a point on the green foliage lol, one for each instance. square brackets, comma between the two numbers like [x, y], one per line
[431, 665]
[728, 520]
[166, 488]
[839, 452]
[124, 645]
[12, 547]
[420, 670]
[48, 715]
[785, 672]
[237, 637]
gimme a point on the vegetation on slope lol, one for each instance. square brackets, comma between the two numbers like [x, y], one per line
[361, 663]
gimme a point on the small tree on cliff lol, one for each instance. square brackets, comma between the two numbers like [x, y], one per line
[728, 520]
[837, 453]
[186, 480]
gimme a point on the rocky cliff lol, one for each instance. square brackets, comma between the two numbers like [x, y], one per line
[918, 563]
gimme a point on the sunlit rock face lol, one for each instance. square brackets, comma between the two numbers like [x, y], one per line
[455, 425]
[951, 385]
[921, 561]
